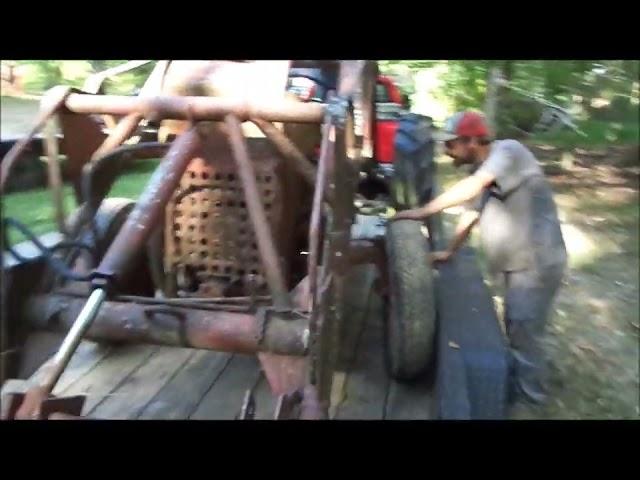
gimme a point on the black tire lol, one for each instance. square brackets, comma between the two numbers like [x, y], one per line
[109, 219]
[411, 315]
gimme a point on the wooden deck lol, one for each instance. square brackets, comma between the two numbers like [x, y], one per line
[153, 382]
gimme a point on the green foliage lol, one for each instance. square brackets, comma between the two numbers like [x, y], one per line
[603, 91]
[597, 133]
[35, 207]
[41, 75]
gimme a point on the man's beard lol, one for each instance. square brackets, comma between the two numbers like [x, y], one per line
[463, 162]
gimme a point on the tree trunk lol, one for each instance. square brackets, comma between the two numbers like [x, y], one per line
[491, 100]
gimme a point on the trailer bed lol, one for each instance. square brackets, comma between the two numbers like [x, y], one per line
[154, 382]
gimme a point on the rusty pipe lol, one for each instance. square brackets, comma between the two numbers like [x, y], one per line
[264, 238]
[176, 326]
[101, 172]
[50, 104]
[128, 124]
[78, 328]
[146, 215]
[195, 108]
[327, 149]
[123, 130]
[294, 157]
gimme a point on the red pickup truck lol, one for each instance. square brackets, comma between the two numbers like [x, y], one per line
[403, 170]
[389, 104]
[312, 84]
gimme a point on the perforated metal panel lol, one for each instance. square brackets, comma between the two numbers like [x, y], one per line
[208, 231]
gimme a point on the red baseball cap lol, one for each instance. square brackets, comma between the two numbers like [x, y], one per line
[463, 124]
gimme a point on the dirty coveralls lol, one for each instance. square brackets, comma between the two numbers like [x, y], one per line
[521, 237]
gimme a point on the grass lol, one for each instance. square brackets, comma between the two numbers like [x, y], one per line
[34, 208]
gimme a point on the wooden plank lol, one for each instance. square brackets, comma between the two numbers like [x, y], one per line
[265, 400]
[109, 373]
[224, 400]
[357, 297]
[133, 394]
[37, 349]
[181, 395]
[367, 383]
[87, 356]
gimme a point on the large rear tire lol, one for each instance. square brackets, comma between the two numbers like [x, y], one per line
[411, 315]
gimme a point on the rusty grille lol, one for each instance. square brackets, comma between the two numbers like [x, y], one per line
[209, 232]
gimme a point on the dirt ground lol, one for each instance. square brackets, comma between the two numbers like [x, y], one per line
[593, 334]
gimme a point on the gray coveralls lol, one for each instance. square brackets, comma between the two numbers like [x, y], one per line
[522, 239]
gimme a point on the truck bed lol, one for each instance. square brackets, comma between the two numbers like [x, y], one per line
[154, 382]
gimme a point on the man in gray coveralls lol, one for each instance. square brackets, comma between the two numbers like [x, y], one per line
[520, 234]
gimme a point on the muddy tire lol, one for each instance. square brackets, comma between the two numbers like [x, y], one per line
[109, 219]
[410, 310]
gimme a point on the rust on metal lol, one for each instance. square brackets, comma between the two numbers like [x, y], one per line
[81, 136]
[37, 404]
[99, 175]
[127, 126]
[196, 108]
[286, 374]
[295, 158]
[327, 150]
[147, 214]
[257, 214]
[123, 130]
[53, 100]
[283, 333]
[209, 239]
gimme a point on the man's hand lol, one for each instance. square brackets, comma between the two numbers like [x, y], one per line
[413, 214]
[442, 256]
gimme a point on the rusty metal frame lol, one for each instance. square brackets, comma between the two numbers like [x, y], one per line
[295, 158]
[270, 330]
[150, 207]
[51, 103]
[194, 326]
[257, 214]
[195, 108]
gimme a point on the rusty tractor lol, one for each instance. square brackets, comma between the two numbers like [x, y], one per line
[240, 241]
